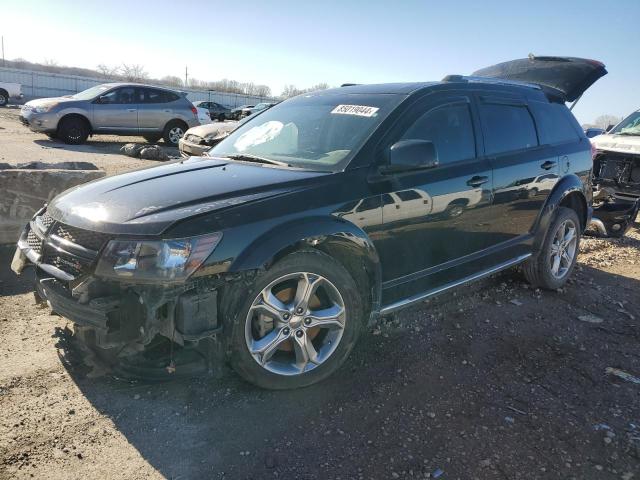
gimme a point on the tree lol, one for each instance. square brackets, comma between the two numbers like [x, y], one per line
[171, 80]
[603, 121]
[107, 71]
[133, 73]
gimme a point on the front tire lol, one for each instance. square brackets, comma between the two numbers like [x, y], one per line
[173, 132]
[4, 99]
[298, 324]
[552, 265]
[73, 131]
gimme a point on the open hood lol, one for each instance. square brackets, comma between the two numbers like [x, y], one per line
[566, 77]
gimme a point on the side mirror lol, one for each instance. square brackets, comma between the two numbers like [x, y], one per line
[609, 128]
[103, 99]
[407, 155]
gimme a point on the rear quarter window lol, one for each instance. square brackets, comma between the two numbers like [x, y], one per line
[507, 128]
[554, 125]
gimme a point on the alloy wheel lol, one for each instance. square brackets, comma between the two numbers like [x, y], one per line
[175, 134]
[295, 323]
[563, 249]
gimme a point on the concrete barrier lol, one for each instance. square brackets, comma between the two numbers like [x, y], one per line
[24, 188]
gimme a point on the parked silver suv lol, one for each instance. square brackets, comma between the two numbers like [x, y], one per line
[113, 108]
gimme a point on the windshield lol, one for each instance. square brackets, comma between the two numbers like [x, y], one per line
[319, 132]
[629, 126]
[90, 93]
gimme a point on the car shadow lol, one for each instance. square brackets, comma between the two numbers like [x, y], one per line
[10, 283]
[106, 147]
[433, 358]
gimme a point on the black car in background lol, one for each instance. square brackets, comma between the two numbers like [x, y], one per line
[322, 213]
[236, 113]
[217, 111]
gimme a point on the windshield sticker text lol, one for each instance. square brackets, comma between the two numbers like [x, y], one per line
[359, 110]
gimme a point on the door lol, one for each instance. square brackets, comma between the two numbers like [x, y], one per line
[434, 217]
[156, 110]
[524, 171]
[117, 111]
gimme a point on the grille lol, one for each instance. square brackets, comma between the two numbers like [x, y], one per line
[34, 242]
[84, 238]
[46, 220]
[69, 266]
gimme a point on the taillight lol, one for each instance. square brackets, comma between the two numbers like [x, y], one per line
[195, 111]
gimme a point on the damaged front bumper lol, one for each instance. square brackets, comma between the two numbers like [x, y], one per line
[613, 213]
[616, 192]
[122, 315]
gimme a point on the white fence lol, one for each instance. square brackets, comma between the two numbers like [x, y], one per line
[43, 84]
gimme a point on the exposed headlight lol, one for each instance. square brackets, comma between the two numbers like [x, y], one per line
[44, 108]
[216, 136]
[151, 261]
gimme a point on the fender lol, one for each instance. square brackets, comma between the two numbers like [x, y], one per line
[322, 233]
[566, 185]
[75, 111]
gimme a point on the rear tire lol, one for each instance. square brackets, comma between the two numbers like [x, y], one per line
[550, 268]
[286, 367]
[4, 99]
[173, 132]
[73, 131]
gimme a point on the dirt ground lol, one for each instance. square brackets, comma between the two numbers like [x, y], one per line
[493, 381]
[18, 144]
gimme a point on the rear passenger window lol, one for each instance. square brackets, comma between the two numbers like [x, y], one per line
[407, 195]
[450, 129]
[553, 124]
[158, 96]
[507, 128]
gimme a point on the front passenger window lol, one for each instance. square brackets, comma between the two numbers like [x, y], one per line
[124, 95]
[450, 129]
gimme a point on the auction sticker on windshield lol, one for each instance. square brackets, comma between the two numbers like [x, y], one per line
[359, 110]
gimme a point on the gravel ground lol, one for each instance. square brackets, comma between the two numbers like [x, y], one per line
[18, 144]
[494, 381]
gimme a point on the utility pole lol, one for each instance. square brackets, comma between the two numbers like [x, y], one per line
[186, 77]
[3, 62]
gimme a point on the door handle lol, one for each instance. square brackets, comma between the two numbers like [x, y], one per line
[548, 165]
[477, 181]
[131, 110]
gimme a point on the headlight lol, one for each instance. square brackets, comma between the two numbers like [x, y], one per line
[152, 261]
[44, 108]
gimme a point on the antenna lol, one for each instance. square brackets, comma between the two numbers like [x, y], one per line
[186, 77]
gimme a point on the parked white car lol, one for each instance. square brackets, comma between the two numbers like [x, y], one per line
[204, 117]
[10, 91]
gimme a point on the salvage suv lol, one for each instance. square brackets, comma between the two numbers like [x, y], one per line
[248, 256]
[114, 109]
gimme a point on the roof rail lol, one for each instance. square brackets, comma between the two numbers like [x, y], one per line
[492, 81]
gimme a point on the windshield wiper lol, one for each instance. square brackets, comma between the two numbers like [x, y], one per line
[245, 157]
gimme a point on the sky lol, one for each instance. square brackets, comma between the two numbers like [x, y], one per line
[305, 43]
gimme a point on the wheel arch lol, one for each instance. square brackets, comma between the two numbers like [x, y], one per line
[569, 192]
[76, 115]
[342, 240]
[4, 92]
